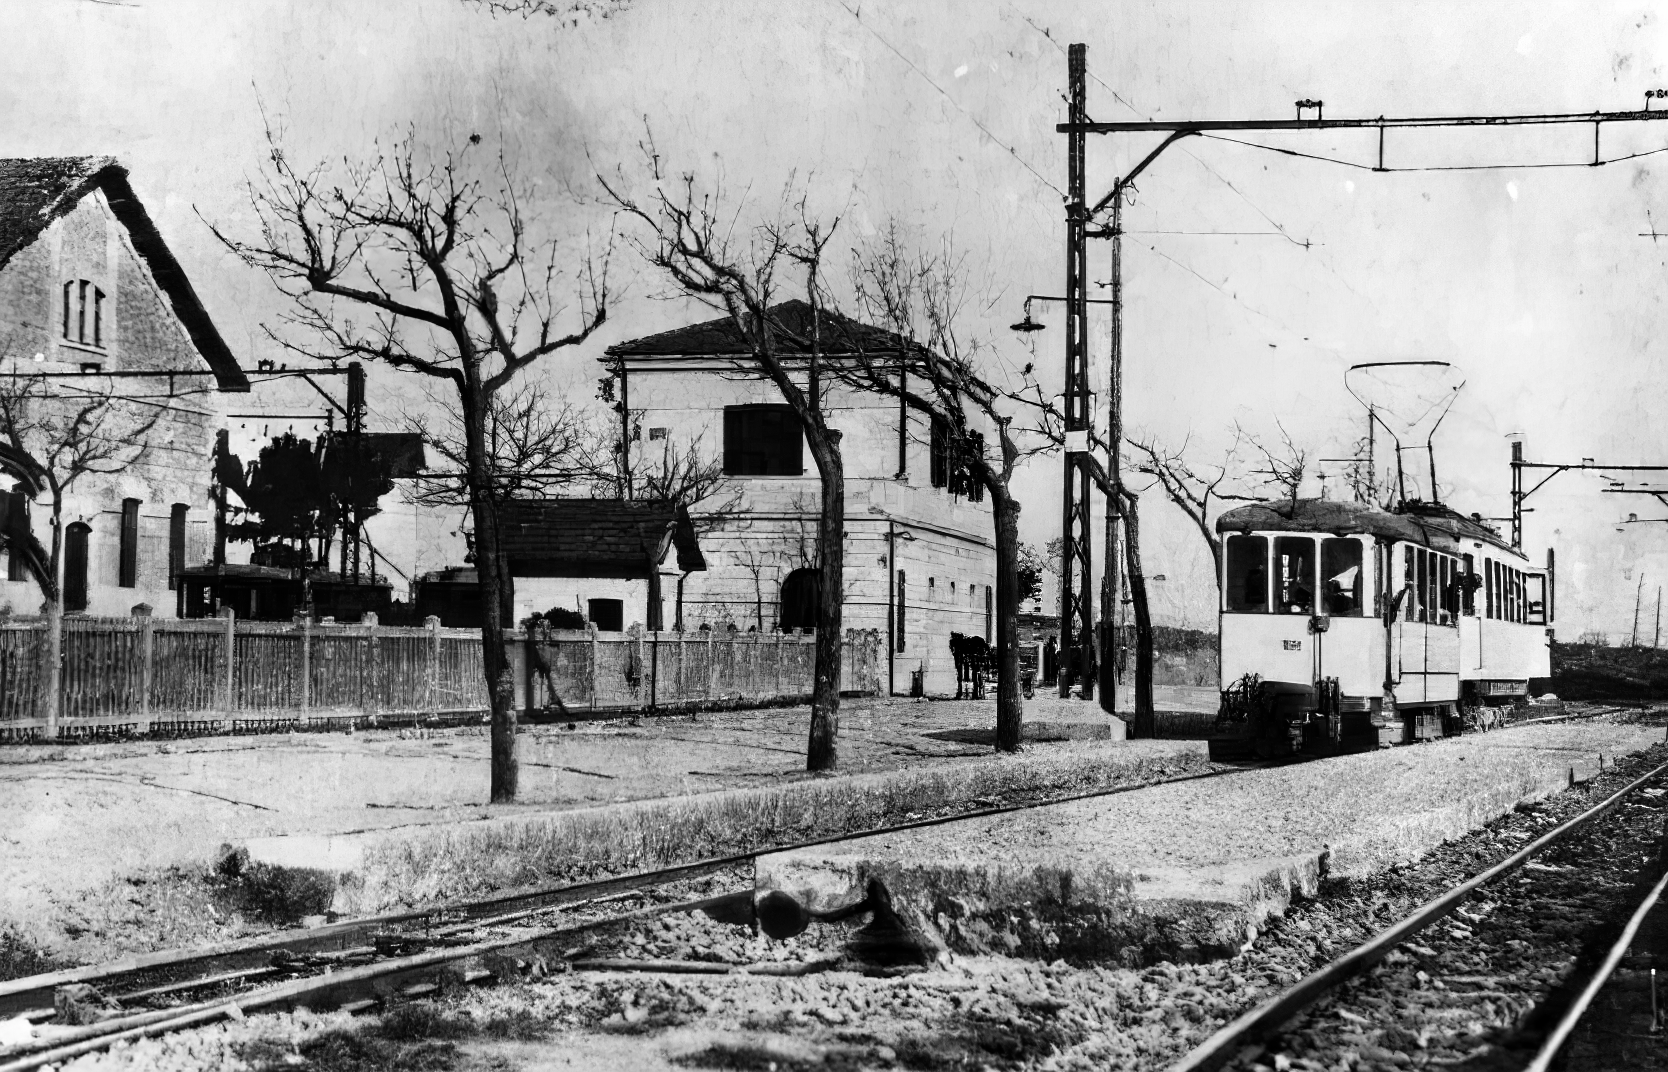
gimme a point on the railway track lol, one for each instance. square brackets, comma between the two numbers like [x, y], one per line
[1332, 1010]
[367, 963]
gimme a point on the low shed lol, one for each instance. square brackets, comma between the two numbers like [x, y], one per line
[611, 560]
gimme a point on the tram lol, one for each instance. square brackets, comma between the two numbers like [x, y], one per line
[1346, 627]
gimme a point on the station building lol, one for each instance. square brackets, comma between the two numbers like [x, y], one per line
[88, 288]
[920, 558]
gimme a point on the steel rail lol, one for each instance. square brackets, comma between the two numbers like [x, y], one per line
[33, 994]
[1549, 1049]
[370, 977]
[1271, 1014]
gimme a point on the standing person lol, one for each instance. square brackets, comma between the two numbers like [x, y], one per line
[1050, 662]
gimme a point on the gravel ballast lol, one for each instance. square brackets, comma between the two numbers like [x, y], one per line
[964, 1012]
[1190, 871]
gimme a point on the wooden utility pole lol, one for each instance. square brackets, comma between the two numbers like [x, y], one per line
[1656, 640]
[1633, 641]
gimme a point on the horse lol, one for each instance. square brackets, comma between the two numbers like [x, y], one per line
[972, 656]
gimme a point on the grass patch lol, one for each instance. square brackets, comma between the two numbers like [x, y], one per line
[19, 957]
[473, 859]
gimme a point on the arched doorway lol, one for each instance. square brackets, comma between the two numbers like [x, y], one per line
[75, 567]
[801, 600]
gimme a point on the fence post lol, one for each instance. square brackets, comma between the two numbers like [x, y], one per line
[147, 638]
[592, 627]
[529, 673]
[712, 665]
[306, 666]
[681, 686]
[431, 684]
[373, 659]
[52, 678]
[229, 701]
[778, 664]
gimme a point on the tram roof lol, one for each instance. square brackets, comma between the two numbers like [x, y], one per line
[1429, 524]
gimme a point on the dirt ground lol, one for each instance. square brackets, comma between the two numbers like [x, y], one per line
[82, 818]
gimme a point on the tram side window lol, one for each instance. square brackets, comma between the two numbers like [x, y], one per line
[1535, 598]
[1468, 587]
[1442, 582]
[1488, 588]
[1427, 608]
[1410, 585]
[1294, 558]
[1245, 587]
[1341, 577]
[1511, 594]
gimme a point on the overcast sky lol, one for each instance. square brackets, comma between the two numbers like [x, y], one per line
[1254, 278]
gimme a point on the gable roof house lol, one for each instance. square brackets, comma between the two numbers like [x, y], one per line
[919, 553]
[92, 301]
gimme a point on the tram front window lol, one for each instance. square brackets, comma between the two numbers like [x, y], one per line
[1294, 558]
[1341, 577]
[1245, 586]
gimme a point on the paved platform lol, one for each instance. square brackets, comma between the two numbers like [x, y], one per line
[1191, 871]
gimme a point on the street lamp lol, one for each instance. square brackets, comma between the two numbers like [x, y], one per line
[1031, 325]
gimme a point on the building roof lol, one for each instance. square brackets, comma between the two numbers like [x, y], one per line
[1430, 524]
[790, 323]
[36, 191]
[594, 537]
[402, 450]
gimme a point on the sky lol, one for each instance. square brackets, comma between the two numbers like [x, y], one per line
[1253, 278]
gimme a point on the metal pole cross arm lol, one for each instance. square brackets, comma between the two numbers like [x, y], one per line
[1197, 126]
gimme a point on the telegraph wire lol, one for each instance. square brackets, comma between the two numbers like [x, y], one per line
[953, 102]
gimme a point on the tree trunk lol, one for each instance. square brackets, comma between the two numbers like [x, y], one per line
[1144, 725]
[1010, 708]
[52, 657]
[822, 751]
[500, 679]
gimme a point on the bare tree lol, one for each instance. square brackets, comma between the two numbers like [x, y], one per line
[1196, 490]
[67, 434]
[688, 476]
[536, 446]
[920, 297]
[1282, 465]
[430, 268]
[685, 237]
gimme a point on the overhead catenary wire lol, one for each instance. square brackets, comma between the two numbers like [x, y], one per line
[953, 102]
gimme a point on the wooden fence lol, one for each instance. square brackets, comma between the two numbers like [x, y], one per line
[145, 675]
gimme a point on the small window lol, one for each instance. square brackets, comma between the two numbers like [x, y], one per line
[1535, 598]
[75, 567]
[1341, 570]
[128, 570]
[763, 441]
[1245, 575]
[990, 614]
[973, 487]
[83, 313]
[176, 543]
[608, 615]
[1294, 564]
[902, 603]
[932, 589]
[940, 446]
[658, 433]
